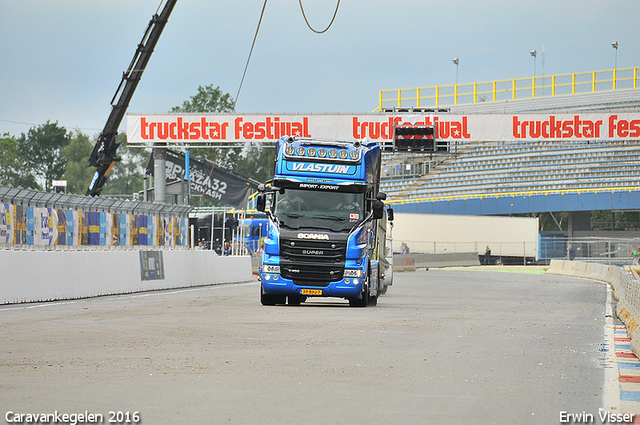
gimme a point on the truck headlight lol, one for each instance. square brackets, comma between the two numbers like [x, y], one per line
[271, 269]
[352, 273]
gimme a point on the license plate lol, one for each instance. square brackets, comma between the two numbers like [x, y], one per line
[311, 292]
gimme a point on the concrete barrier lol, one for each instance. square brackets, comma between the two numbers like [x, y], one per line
[28, 276]
[626, 289]
[555, 267]
[439, 259]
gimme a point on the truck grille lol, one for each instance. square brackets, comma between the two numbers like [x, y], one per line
[312, 262]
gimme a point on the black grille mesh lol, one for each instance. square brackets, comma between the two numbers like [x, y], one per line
[311, 262]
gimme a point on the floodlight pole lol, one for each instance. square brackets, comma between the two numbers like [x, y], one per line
[534, 54]
[533, 82]
[456, 61]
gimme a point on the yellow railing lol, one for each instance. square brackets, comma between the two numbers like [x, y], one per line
[502, 90]
[513, 194]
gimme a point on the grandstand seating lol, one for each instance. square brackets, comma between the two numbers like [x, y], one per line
[491, 168]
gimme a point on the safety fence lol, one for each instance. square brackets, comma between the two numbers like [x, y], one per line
[548, 247]
[511, 89]
[500, 248]
[609, 251]
[36, 220]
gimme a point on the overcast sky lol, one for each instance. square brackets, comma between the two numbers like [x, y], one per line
[63, 60]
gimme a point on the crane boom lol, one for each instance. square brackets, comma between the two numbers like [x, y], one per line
[103, 156]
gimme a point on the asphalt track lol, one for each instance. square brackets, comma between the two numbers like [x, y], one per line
[443, 346]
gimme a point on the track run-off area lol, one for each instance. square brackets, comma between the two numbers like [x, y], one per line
[442, 346]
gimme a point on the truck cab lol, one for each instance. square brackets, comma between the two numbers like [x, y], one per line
[326, 213]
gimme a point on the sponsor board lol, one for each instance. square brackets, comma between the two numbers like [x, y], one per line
[208, 128]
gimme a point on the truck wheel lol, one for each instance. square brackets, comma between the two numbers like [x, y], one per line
[294, 299]
[271, 299]
[361, 302]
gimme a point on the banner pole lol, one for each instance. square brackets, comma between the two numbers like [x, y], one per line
[187, 174]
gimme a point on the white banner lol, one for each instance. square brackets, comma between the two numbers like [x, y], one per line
[207, 128]
[6, 228]
[46, 226]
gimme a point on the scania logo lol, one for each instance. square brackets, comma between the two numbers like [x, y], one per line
[313, 236]
[311, 252]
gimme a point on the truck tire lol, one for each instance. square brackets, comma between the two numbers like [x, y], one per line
[271, 299]
[361, 302]
[295, 299]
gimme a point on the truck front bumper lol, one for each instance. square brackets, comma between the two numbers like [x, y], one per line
[273, 283]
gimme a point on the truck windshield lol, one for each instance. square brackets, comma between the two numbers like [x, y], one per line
[336, 211]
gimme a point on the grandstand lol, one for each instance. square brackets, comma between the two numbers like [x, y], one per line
[528, 166]
[477, 169]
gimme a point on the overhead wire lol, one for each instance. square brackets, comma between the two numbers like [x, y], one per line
[328, 26]
[249, 58]
[255, 36]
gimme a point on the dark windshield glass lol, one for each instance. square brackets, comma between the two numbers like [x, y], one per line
[335, 211]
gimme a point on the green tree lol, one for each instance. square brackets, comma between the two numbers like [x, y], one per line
[76, 172]
[257, 163]
[553, 222]
[254, 162]
[12, 171]
[127, 176]
[207, 99]
[41, 151]
[618, 220]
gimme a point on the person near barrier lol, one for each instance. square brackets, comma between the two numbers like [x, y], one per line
[404, 249]
[570, 253]
[487, 256]
[635, 255]
[227, 249]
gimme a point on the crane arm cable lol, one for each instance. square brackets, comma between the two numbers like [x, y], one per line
[328, 26]
[244, 73]
[249, 58]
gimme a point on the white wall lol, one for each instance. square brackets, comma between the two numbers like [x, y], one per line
[466, 233]
[28, 276]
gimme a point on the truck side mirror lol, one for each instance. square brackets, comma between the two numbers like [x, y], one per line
[261, 202]
[381, 196]
[378, 209]
[389, 214]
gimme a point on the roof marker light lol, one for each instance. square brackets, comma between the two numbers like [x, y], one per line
[289, 150]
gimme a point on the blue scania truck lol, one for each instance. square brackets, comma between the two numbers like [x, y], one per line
[327, 223]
